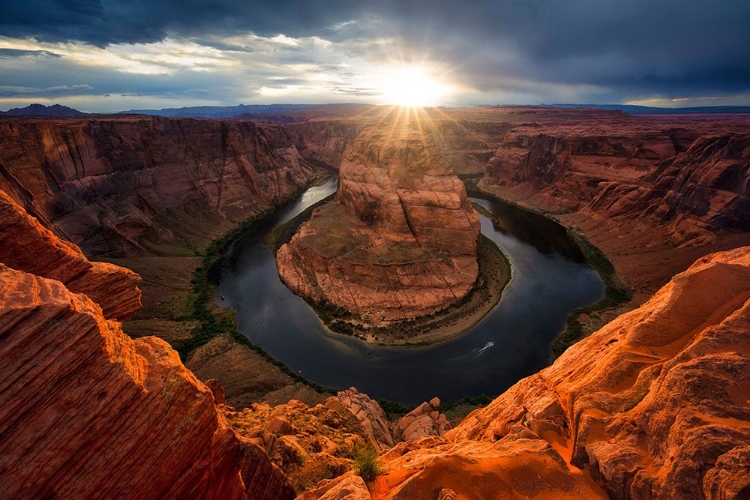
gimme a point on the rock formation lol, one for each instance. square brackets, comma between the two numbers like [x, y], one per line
[654, 193]
[347, 487]
[466, 145]
[399, 242]
[87, 412]
[29, 246]
[318, 442]
[107, 184]
[325, 141]
[694, 179]
[654, 405]
[424, 420]
[370, 415]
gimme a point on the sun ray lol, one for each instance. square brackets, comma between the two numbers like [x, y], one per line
[410, 86]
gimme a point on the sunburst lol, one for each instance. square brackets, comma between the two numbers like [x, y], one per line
[411, 86]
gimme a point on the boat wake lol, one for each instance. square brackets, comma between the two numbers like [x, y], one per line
[481, 350]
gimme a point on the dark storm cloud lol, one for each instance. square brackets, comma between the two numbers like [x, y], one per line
[629, 47]
[26, 53]
[102, 22]
[56, 91]
[622, 49]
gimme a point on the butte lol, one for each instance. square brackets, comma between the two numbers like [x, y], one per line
[399, 241]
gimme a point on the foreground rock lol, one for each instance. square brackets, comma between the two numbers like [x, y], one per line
[654, 405]
[311, 443]
[370, 415]
[399, 242]
[29, 246]
[424, 420]
[87, 412]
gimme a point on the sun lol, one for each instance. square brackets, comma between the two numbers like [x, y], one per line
[411, 86]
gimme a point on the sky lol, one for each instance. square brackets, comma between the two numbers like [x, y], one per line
[112, 55]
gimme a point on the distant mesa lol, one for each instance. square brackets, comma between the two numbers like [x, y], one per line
[42, 110]
[400, 239]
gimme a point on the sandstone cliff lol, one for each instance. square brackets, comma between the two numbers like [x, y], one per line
[324, 140]
[693, 179]
[653, 193]
[29, 246]
[654, 405]
[399, 242]
[108, 184]
[86, 412]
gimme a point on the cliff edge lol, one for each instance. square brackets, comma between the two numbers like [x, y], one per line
[654, 405]
[87, 412]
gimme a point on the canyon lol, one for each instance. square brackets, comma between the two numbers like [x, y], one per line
[130, 186]
[653, 404]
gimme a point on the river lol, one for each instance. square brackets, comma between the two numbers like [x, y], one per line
[548, 281]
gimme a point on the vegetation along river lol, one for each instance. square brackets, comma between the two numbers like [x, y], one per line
[549, 279]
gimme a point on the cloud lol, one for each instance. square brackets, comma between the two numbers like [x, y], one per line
[56, 91]
[7, 53]
[540, 50]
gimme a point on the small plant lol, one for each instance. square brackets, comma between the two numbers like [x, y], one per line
[366, 463]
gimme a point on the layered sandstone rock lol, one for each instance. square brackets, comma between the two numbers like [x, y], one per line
[424, 420]
[399, 242]
[107, 184]
[692, 178]
[27, 245]
[654, 193]
[517, 466]
[325, 140]
[347, 487]
[370, 415]
[466, 144]
[87, 412]
[654, 405]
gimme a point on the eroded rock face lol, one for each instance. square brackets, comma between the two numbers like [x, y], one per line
[87, 412]
[689, 177]
[424, 420]
[325, 141]
[108, 183]
[370, 415]
[517, 466]
[347, 487]
[27, 245]
[399, 242]
[313, 443]
[654, 405]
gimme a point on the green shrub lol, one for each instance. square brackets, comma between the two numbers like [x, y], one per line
[366, 463]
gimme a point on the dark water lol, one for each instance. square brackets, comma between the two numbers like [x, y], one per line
[548, 281]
